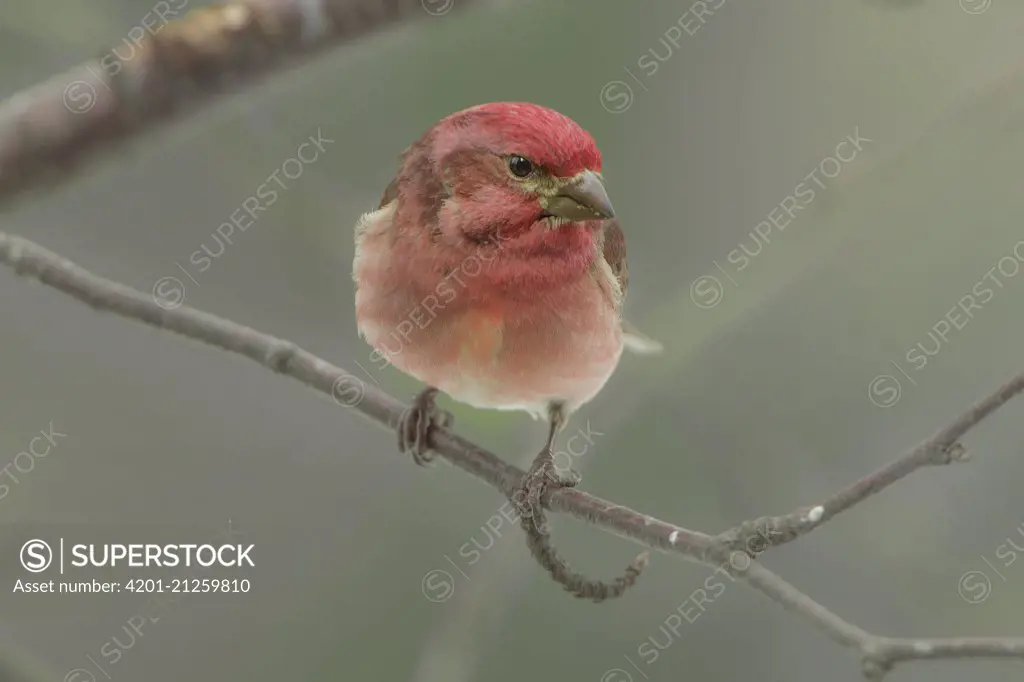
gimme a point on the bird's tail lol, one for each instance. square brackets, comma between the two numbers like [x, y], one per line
[638, 342]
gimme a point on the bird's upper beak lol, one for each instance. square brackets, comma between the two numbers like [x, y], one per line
[583, 198]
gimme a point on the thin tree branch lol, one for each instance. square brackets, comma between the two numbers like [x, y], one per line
[50, 131]
[940, 448]
[878, 653]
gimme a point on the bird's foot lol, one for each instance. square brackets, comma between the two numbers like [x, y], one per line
[541, 478]
[415, 424]
[529, 497]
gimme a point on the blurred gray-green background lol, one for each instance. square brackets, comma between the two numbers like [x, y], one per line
[776, 389]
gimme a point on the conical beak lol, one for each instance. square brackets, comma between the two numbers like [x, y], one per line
[582, 199]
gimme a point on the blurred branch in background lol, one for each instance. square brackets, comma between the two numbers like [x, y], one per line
[878, 653]
[48, 132]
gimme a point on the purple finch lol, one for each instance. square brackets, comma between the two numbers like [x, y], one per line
[494, 270]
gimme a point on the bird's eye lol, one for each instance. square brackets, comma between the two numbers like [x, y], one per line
[519, 166]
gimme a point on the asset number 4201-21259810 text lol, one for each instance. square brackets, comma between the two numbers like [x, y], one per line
[186, 585]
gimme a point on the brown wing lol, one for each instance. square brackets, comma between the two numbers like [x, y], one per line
[417, 171]
[615, 253]
[390, 193]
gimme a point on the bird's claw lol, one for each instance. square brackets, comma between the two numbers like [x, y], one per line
[415, 424]
[541, 478]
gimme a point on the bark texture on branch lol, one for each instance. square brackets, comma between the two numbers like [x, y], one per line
[179, 62]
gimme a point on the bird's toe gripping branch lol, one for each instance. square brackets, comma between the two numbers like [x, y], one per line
[416, 422]
[529, 499]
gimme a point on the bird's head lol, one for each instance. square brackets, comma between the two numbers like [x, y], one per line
[513, 172]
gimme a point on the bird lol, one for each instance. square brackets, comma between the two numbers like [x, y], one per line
[494, 270]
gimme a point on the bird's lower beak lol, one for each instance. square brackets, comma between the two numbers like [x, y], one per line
[582, 199]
